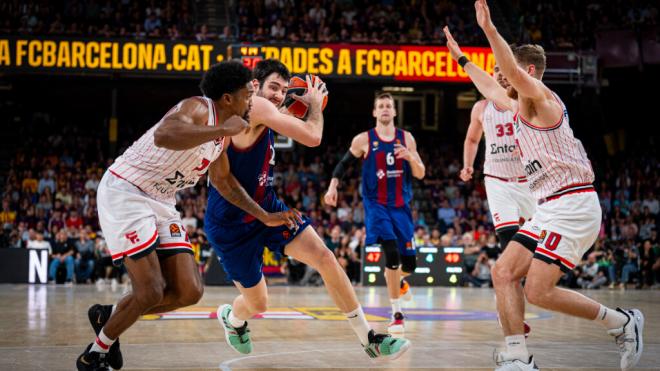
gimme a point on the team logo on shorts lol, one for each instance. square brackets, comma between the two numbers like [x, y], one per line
[133, 237]
[175, 230]
[286, 234]
[542, 235]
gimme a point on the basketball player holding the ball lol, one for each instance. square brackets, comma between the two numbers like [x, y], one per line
[136, 199]
[390, 158]
[568, 217]
[239, 239]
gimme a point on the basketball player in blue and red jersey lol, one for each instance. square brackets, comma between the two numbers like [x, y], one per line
[568, 217]
[239, 239]
[136, 202]
[390, 159]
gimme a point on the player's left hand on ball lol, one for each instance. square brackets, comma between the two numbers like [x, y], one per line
[401, 152]
[234, 125]
[316, 91]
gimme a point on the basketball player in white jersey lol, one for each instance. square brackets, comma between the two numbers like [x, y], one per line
[509, 197]
[136, 200]
[568, 217]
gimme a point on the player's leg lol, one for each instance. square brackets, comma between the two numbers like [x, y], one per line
[240, 251]
[563, 242]
[307, 247]
[507, 273]
[183, 283]
[147, 291]
[253, 299]
[129, 226]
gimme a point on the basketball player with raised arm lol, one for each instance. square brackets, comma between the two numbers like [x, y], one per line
[568, 217]
[509, 197]
[390, 158]
[136, 200]
[239, 239]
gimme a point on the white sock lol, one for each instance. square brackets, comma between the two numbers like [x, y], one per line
[396, 305]
[516, 348]
[610, 318]
[359, 324]
[235, 321]
[102, 343]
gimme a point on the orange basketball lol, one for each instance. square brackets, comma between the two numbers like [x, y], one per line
[298, 86]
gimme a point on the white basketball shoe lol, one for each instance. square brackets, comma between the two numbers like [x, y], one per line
[504, 364]
[629, 338]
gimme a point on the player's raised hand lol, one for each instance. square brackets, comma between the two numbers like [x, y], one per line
[402, 152]
[483, 15]
[289, 218]
[233, 126]
[466, 173]
[452, 45]
[330, 197]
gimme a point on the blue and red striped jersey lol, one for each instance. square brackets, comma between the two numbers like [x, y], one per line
[386, 179]
[253, 168]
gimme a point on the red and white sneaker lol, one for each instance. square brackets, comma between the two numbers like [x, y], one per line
[396, 326]
[404, 292]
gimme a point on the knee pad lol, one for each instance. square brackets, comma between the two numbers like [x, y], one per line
[408, 263]
[391, 254]
[505, 235]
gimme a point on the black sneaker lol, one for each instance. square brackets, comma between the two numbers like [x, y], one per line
[92, 361]
[98, 316]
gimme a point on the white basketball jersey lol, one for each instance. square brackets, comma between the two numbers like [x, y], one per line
[552, 157]
[502, 160]
[160, 172]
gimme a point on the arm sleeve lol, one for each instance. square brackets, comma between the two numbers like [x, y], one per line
[343, 164]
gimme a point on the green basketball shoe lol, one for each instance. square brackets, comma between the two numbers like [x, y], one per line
[237, 337]
[385, 347]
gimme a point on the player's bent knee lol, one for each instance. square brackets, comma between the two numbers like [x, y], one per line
[502, 274]
[392, 258]
[536, 294]
[191, 295]
[409, 263]
[149, 295]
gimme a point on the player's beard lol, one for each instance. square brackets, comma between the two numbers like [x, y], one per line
[511, 92]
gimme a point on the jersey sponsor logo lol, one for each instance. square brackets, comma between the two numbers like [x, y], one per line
[133, 237]
[175, 231]
[495, 149]
[536, 183]
[380, 174]
[264, 180]
[532, 167]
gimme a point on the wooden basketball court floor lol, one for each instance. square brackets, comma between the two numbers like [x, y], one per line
[45, 327]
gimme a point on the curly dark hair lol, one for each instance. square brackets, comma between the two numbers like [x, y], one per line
[266, 67]
[224, 78]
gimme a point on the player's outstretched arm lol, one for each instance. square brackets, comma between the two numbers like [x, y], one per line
[229, 187]
[308, 133]
[526, 85]
[184, 127]
[409, 153]
[472, 139]
[355, 152]
[484, 82]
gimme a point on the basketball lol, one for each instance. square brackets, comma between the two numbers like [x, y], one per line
[298, 86]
